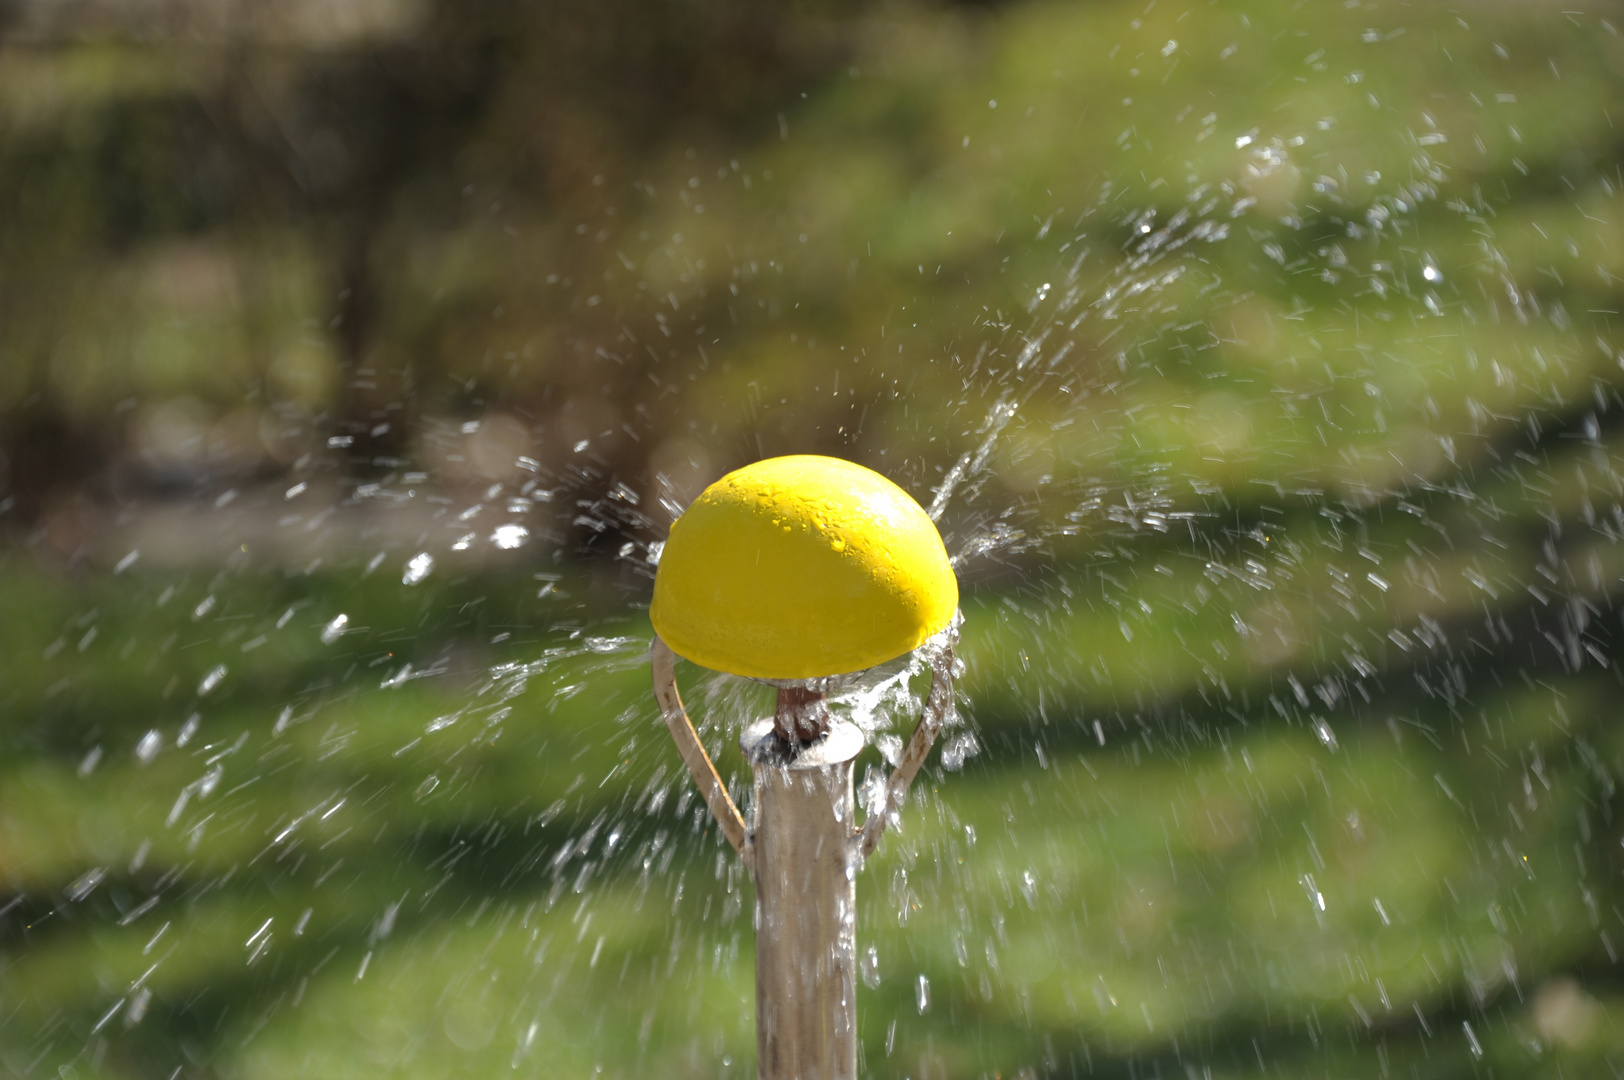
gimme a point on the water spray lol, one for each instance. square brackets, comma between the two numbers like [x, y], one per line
[803, 572]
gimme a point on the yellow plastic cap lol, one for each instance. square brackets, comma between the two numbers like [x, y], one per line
[799, 567]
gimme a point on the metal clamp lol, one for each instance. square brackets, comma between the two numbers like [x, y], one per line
[939, 710]
[727, 816]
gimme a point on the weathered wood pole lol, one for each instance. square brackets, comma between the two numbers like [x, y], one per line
[806, 894]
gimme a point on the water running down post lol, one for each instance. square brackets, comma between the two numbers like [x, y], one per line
[794, 570]
[806, 902]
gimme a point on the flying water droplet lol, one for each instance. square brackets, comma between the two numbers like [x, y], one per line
[419, 567]
[1311, 889]
[259, 941]
[1323, 732]
[872, 790]
[869, 966]
[211, 680]
[88, 763]
[922, 994]
[890, 748]
[148, 747]
[137, 1009]
[86, 883]
[508, 537]
[957, 749]
[335, 629]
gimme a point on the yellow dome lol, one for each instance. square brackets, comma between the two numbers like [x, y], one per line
[798, 567]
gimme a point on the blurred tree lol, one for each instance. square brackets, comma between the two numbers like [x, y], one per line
[638, 242]
[260, 172]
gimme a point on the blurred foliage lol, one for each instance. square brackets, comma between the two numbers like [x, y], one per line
[664, 239]
[1277, 343]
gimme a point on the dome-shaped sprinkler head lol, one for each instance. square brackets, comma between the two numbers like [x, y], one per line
[799, 571]
[801, 567]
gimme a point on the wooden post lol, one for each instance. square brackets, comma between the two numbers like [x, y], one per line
[804, 849]
[806, 902]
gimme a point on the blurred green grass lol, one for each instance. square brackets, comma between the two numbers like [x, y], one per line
[545, 884]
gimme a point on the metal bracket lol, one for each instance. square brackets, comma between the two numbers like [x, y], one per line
[938, 710]
[663, 662]
[939, 706]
